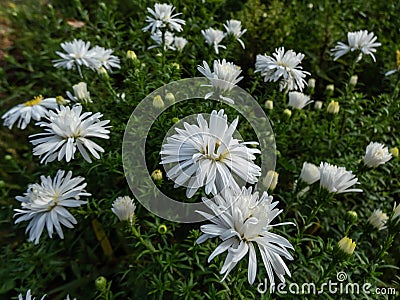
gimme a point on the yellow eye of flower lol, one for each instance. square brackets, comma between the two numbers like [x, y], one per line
[34, 101]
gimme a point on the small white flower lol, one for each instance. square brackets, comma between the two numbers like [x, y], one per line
[207, 154]
[337, 179]
[309, 173]
[169, 40]
[68, 130]
[68, 298]
[46, 204]
[34, 109]
[378, 219]
[28, 296]
[105, 57]
[234, 27]
[81, 94]
[124, 208]
[162, 17]
[299, 100]
[180, 43]
[213, 37]
[77, 55]
[223, 78]
[376, 154]
[242, 220]
[357, 41]
[284, 66]
[396, 211]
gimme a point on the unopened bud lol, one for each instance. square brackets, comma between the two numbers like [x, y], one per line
[353, 80]
[346, 246]
[287, 113]
[101, 283]
[269, 104]
[333, 107]
[158, 102]
[318, 104]
[311, 83]
[130, 54]
[351, 216]
[170, 98]
[394, 151]
[157, 175]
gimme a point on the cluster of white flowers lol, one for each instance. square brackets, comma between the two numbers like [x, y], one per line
[28, 296]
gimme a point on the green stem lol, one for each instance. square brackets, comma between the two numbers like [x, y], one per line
[149, 246]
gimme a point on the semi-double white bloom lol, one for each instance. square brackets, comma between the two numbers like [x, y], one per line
[105, 58]
[207, 154]
[234, 27]
[376, 154]
[162, 17]
[337, 179]
[124, 208]
[81, 93]
[242, 219]
[299, 100]
[214, 37]
[378, 219]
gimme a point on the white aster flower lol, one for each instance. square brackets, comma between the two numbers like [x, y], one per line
[242, 220]
[309, 173]
[213, 37]
[78, 54]
[207, 154]
[299, 100]
[68, 130]
[162, 17]
[223, 78]
[81, 94]
[357, 41]
[28, 296]
[34, 109]
[180, 43]
[376, 154]
[337, 179]
[284, 66]
[169, 40]
[234, 27]
[124, 208]
[105, 57]
[378, 219]
[46, 204]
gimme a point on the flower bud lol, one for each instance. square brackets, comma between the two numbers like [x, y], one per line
[346, 246]
[351, 216]
[318, 104]
[170, 98]
[175, 120]
[311, 83]
[61, 101]
[269, 104]
[330, 88]
[176, 66]
[353, 80]
[101, 283]
[394, 151]
[130, 54]
[333, 107]
[103, 73]
[162, 229]
[157, 175]
[158, 102]
[287, 113]
[271, 180]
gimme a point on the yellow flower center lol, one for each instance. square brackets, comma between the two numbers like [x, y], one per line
[34, 101]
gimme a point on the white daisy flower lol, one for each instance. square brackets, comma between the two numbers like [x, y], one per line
[28, 296]
[213, 37]
[77, 55]
[299, 100]
[234, 27]
[242, 220]
[284, 66]
[46, 204]
[124, 208]
[180, 43]
[34, 109]
[105, 57]
[309, 173]
[207, 154]
[337, 179]
[68, 130]
[378, 219]
[162, 17]
[169, 40]
[223, 77]
[81, 94]
[357, 41]
[376, 154]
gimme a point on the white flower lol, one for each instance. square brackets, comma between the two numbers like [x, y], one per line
[35, 109]
[162, 17]
[358, 40]
[28, 296]
[284, 66]
[180, 43]
[78, 54]
[105, 57]
[242, 220]
[169, 40]
[223, 77]
[81, 94]
[207, 154]
[124, 208]
[234, 27]
[397, 65]
[378, 219]
[68, 298]
[376, 154]
[309, 173]
[213, 37]
[298, 100]
[396, 211]
[46, 204]
[337, 179]
[68, 130]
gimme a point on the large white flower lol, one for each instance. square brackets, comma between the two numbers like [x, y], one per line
[207, 154]
[162, 17]
[299, 100]
[124, 208]
[68, 130]
[213, 37]
[242, 220]
[223, 77]
[234, 27]
[337, 179]
[376, 154]
[46, 204]
[77, 55]
[357, 41]
[284, 66]
[105, 57]
[35, 109]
